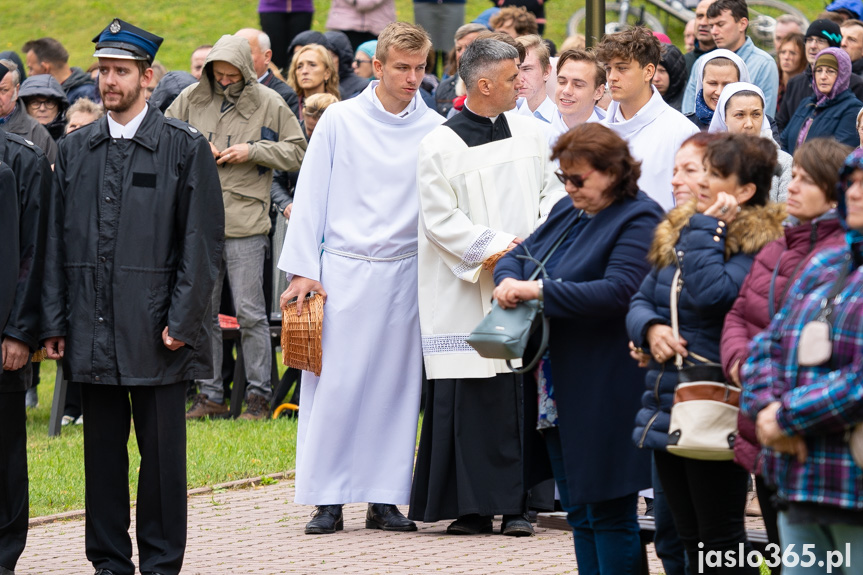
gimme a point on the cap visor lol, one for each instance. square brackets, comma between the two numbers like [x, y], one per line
[117, 53]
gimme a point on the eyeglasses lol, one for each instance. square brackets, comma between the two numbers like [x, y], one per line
[36, 104]
[574, 179]
[359, 62]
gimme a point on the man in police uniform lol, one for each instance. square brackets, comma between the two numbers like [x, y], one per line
[27, 182]
[135, 238]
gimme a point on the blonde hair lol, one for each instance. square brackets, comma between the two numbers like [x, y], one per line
[404, 37]
[535, 42]
[331, 84]
[86, 106]
[576, 42]
[314, 105]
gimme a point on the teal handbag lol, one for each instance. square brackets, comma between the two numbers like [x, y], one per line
[504, 333]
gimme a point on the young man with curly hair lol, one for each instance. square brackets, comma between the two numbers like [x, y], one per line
[638, 113]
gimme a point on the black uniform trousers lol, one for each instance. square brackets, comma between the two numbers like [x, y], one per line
[14, 502]
[160, 429]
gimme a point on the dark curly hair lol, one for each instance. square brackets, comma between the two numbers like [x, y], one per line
[637, 43]
[751, 158]
[604, 151]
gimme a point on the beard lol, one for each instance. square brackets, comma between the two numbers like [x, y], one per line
[125, 101]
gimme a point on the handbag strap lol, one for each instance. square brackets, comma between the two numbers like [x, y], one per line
[540, 265]
[542, 347]
[829, 302]
[676, 286]
[771, 302]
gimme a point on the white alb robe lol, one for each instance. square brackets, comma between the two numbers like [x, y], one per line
[356, 198]
[654, 134]
[559, 127]
[473, 202]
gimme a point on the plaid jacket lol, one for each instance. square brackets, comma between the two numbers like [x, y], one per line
[819, 403]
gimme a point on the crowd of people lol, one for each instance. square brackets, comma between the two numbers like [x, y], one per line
[685, 209]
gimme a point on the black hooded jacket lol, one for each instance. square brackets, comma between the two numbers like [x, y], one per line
[349, 83]
[306, 38]
[675, 64]
[169, 87]
[81, 85]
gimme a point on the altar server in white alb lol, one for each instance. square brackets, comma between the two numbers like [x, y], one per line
[485, 183]
[356, 200]
[653, 129]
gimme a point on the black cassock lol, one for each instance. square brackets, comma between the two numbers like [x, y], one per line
[471, 447]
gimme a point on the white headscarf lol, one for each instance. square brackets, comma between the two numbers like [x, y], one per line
[718, 123]
[718, 53]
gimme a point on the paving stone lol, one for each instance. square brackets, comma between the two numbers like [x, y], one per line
[259, 530]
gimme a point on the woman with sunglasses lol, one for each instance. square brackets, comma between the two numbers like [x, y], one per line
[587, 389]
[712, 239]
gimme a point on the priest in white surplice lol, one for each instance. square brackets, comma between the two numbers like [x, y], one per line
[356, 202]
[485, 181]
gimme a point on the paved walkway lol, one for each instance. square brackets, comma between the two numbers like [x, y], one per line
[259, 530]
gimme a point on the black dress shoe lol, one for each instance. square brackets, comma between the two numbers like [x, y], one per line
[4, 571]
[516, 526]
[387, 517]
[470, 525]
[104, 572]
[325, 519]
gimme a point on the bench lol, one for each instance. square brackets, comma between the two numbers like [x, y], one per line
[238, 389]
[647, 529]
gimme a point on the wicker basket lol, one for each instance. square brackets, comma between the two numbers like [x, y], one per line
[301, 335]
[489, 264]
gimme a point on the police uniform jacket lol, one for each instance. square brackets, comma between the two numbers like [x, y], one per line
[33, 187]
[134, 244]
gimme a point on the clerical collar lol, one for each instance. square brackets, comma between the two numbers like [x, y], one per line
[476, 117]
[129, 130]
[476, 130]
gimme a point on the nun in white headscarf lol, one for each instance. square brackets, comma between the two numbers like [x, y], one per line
[694, 98]
[741, 111]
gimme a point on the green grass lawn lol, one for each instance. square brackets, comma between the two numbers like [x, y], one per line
[187, 23]
[218, 451]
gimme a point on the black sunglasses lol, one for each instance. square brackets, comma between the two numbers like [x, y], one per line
[574, 179]
[359, 62]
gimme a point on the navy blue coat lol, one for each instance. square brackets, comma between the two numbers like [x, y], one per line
[596, 383]
[837, 119]
[714, 260]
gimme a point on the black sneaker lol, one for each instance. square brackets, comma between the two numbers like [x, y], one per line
[325, 519]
